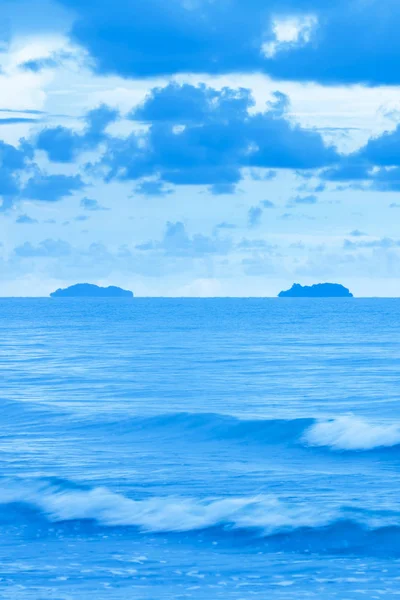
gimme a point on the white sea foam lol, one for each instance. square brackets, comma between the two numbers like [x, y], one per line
[163, 514]
[352, 433]
[268, 514]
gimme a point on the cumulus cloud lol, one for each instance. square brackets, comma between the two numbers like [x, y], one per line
[14, 162]
[177, 242]
[375, 166]
[64, 145]
[208, 137]
[51, 188]
[46, 249]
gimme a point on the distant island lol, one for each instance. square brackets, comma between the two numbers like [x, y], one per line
[319, 290]
[89, 290]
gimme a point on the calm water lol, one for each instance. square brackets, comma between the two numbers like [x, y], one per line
[172, 449]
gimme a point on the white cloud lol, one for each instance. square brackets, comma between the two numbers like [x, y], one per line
[290, 31]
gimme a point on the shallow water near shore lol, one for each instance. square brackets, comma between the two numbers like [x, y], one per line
[199, 448]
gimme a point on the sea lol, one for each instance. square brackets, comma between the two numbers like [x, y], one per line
[201, 449]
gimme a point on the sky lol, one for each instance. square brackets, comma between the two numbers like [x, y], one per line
[199, 147]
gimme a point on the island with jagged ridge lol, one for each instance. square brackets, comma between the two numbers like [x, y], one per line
[318, 290]
[89, 290]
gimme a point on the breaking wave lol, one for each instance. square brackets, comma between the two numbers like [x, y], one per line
[344, 433]
[260, 519]
[351, 433]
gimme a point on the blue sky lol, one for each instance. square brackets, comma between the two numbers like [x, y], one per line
[199, 147]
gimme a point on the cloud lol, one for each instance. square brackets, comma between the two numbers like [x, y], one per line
[303, 200]
[19, 112]
[348, 169]
[225, 225]
[39, 64]
[47, 62]
[210, 142]
[262, 175]
[250, 245]
[323, 60]
[267, 204]
[51, 188]
[288, 39]
[64, 145]
[382, 150]
[13, 162]
[17, 120]
[289, 216]
[185, 104]
[12, 158]
[220, 189]
[46, 249]
[152, 188]
[177, 242]
[25, 220]
[385, 242]
[154, 38]
[375, 166]
[9, 184]
[367, 177]
[91, 204]
[357, 233]
[254, 216]
[385, 180]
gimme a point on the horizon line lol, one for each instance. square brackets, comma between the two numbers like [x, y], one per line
[136, 297]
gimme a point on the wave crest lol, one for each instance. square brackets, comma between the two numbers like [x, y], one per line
[351, 433]
[265, 522]
[60, 501]
[344, 433]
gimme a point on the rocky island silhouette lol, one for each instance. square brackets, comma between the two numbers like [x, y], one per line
[89, 290]
[318, 290]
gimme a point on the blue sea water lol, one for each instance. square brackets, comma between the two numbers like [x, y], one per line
[199, 449]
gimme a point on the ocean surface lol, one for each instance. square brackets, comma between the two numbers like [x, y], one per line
[199, 449]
